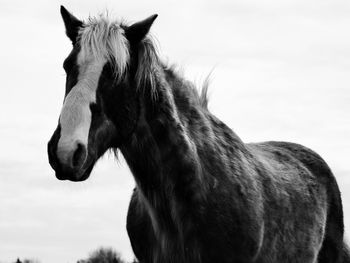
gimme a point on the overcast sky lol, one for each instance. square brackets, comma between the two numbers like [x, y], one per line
[281, 72]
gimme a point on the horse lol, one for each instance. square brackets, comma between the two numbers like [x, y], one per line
[202, 195]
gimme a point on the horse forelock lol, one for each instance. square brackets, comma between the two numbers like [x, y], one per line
[103, 39]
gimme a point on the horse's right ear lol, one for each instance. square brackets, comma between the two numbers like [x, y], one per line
[71, 23]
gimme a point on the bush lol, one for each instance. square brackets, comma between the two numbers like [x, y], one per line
[103, 255]
[27, 261]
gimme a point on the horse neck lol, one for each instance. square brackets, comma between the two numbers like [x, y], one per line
[161, 154]
[176, 145]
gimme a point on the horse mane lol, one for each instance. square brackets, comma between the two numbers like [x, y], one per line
[204, 98]
[149, 65]
[197, 92]
[104, 38]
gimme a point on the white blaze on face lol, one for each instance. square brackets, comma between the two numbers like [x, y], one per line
[75, 118]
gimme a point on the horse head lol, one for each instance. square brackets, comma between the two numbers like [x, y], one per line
[100, 108]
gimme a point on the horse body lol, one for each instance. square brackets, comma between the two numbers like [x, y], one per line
[202, 195]
[265, 202]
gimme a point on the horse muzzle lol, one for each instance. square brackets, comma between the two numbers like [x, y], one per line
[69, 159]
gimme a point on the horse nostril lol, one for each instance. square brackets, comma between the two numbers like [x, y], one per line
[79, 156]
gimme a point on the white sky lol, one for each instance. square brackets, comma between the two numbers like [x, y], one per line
[281, 72]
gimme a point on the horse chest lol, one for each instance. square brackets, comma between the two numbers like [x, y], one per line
[152, 244]
[152, 241]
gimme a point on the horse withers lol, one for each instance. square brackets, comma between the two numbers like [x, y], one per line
[202, 195]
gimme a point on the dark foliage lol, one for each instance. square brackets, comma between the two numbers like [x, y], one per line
[26, 261]
[103, 255]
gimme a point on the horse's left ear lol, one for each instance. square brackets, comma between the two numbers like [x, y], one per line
[136, 32]
[71, 23]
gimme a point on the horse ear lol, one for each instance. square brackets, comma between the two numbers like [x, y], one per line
[136, 32]
[71, 23]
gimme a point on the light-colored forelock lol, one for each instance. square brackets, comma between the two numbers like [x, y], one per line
[104, 39]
